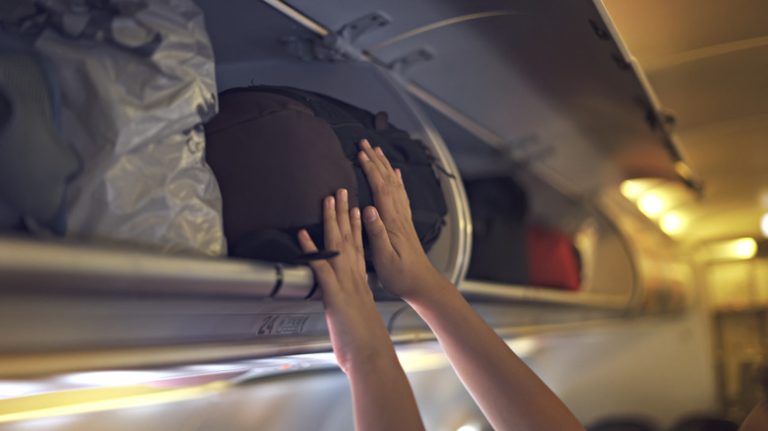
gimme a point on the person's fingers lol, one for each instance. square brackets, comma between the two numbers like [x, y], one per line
[377, 233]
[342, 213]
[306, 243]
[373, 175]
[383, 159]
[373, 156]
[322, 269]
[403, 195]
[357, 235]
[383, 195]
[331, 226]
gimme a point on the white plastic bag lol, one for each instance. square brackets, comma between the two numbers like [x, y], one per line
[137, 82]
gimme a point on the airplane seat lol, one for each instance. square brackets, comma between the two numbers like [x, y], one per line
[624, 424]
[705, 423]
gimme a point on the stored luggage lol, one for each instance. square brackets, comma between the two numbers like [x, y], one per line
[498, 206]
[277, 151]
[553, 261]
[136, 81]
[35, 162]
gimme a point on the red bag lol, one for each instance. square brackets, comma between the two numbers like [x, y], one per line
[552, 259]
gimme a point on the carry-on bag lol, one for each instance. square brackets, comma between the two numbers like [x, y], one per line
[553, 260]
[277, 151]
[499, 250]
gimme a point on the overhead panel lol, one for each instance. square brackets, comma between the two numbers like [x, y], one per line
[543, 71]
[713, 88]
[248, 35]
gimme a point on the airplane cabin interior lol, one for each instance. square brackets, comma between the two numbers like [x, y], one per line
[602, 167]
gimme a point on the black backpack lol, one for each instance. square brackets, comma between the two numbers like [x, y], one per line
[499, 254]
[251, 145]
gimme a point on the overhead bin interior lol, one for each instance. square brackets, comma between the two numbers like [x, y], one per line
[538, 90]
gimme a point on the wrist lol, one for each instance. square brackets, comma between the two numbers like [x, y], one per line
[374, 361]
[429, 289]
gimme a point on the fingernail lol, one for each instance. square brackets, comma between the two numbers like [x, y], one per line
[379, 151]
[356, 213]
[330, 201]
[304, 234]
[371, 214]
[365, 144]
[364, 156]
[343, 194]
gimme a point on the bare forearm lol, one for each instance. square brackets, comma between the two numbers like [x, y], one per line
[382, 397]
[757, 419]
[508, 392]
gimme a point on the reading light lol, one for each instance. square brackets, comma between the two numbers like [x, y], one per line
[632, 189]
[672, 223]
[764, 224]
[651, 205]
[745, 248]
[735, 249]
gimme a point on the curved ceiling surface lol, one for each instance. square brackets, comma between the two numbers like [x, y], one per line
[707, 62]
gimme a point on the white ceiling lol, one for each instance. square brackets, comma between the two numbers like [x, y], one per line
[707, 62]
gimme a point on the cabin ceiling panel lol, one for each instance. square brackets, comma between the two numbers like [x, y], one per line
[707, 62]
[542, 74]
[716, 150]
[246, 30]
[715, 88]
[656, 28]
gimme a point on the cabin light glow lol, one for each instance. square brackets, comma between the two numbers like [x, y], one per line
[468, 427]
[115, 378]
[13, 389]
[744, 248]
[632, 189]
[651, 205]
[764, 225]
[524, 346]
[672, 224]
[735, 249]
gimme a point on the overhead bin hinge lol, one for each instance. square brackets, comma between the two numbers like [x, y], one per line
[365, 24]
[400, 64]
[600, 30]
[339, 45]
[621, 62]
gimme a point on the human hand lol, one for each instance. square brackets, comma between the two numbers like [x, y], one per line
[358, 334]
[400, 260]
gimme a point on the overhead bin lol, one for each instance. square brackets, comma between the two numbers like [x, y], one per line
[69, 306]
[88, 306]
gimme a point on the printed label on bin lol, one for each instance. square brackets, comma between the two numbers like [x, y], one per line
[282, 324]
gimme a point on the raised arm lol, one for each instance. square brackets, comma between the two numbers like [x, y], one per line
[381, 395]
[510, 395]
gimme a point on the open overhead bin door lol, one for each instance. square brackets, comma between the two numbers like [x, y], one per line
[481, 71]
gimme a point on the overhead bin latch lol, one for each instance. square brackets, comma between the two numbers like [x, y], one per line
[400, 64]
[339, 45]
[365, 24]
